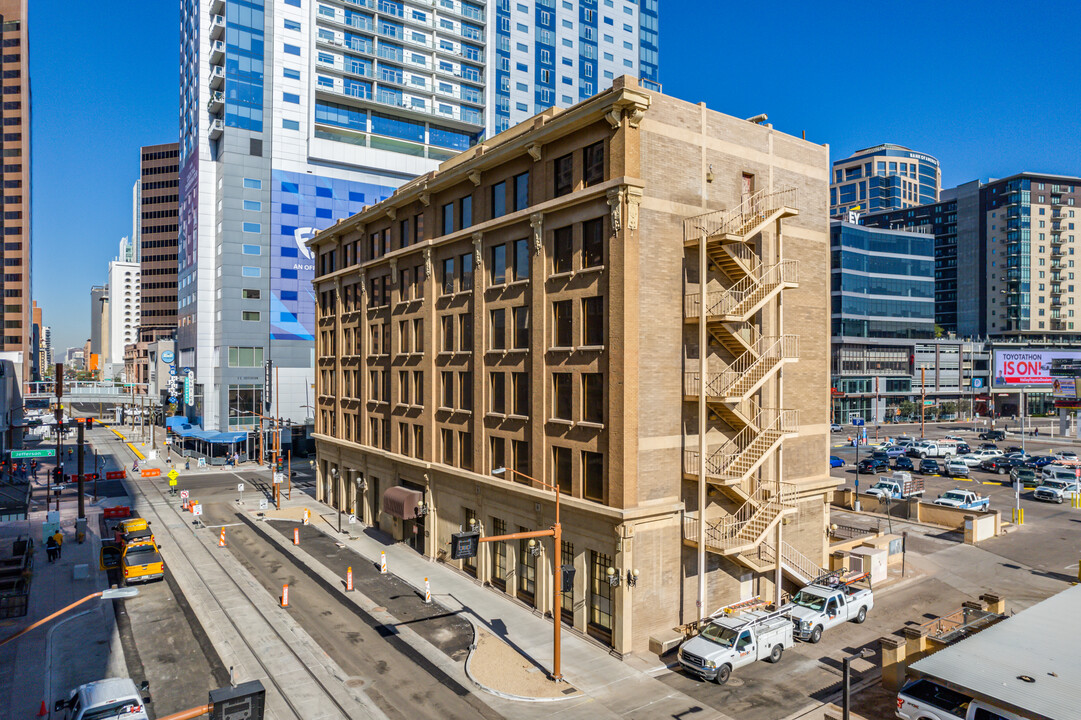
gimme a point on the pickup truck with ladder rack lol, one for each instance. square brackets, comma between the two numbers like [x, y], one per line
[828, 601]
[734, 636]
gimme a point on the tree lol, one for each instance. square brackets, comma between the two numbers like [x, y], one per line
[939, 331]
[909, 408]
[949, 408]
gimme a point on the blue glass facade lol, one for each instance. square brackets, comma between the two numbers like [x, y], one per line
[882, 283]
[502, 65]
[302, 204]
[244, 64]
[648, 43]
[886, 177]
[587, 48]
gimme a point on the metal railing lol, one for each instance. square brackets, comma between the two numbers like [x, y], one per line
[751, 211]
[958, 625]
[744, 293]
[765, 426]
[795, 560]
[749, 521]
[748, 368]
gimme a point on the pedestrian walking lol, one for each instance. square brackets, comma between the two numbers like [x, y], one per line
[50, 548]
[59, 540]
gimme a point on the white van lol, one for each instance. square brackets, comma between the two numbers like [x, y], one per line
[937, 449]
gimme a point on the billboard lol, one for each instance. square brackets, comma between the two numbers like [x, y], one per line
[1064, 387]
[1014, 368]
[302, 204]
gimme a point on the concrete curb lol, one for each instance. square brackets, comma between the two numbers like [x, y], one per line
[497, 693]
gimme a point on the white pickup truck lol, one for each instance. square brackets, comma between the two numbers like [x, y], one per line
[728, 642]
[963, 499]
[829, 601]
[925, 699]
[899, 486]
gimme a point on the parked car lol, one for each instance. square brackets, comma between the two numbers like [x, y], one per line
[990, 446]
[1000, 465]
[819, 607]
[898, 487]
[963, 500]
[1020, 457]
[1066, 455]
[891, 451]
[112, 698]
[872, 465]
[955, 468]
[903, 463]
[927, 700]
[974, 458]
[836, 462]
[1058, 472]
[992, 435]
[1039, 461]
[1014, 449]
[834, 427]
[1024, 475]
[963, 448]
[1056, 490]
[929, 466]
[726, 643]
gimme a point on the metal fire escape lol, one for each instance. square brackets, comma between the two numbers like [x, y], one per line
[737, 382]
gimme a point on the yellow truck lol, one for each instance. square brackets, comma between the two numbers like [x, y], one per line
[138, 560]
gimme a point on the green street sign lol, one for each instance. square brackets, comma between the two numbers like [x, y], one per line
[51, 452]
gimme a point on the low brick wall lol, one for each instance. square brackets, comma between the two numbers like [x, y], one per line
[985, 523]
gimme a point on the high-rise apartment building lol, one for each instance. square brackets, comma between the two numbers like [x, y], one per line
[156, 224]
[627, 300]
[299, 113]
[15, 341]
[124, 307]
[1004, 255]
[884, 177]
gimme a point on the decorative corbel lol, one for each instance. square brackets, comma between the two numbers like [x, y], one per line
[474, 177]
[478, 241]
[392, 213]
[635, 117]
[614, 118]
[534, 151]
[425, 198]
[615, 201]
[536, 221]
[363, 276]
[427, 262]
[634, 199]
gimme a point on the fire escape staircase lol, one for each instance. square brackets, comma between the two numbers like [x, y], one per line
[745, 529]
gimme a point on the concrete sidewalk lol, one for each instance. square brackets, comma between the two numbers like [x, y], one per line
[612, 688]
[78, 647]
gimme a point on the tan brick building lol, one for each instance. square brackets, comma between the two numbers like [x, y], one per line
[533, 304]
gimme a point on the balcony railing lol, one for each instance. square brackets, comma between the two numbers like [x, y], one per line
[752, 210]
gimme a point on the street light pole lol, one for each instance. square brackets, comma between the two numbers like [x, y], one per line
[110, 594]
[846, 699]
[556, 533]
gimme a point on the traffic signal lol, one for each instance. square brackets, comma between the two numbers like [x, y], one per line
[568, 576]
[279, 465]
[89, 422]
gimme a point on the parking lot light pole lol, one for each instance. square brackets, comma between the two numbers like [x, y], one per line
[110, 594]
[556, 533]
[846, 699]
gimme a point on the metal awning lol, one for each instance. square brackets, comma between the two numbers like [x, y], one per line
[401, 502]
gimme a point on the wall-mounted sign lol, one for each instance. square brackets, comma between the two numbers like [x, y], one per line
[167, 357]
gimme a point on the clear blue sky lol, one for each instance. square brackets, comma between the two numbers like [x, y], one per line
[986, 87]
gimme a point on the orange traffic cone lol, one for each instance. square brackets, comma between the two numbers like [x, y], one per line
[221, 540]
[43, 712]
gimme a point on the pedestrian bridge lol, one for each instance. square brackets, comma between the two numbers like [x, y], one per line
[89, 391]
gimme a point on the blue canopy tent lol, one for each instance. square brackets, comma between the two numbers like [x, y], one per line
[205, 442]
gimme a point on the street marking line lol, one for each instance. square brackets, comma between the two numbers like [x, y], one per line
[135, 450]
[215, 527]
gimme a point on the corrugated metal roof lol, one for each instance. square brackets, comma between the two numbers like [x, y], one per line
[1042, 642]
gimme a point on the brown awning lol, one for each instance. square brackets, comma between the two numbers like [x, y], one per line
[401, 502]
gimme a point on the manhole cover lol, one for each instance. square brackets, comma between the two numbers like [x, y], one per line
[570, 691]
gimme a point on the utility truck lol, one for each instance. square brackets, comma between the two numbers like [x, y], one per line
[735, 636]
[963, 499]
[833, 598]
[898, 486]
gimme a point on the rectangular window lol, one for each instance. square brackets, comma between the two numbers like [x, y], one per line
[561, 396]
[446, 442]
[562, 250]
[521, 327]
[247, 357]
[465, 211]
[561, 469]
[247, 271]
[593, 321]
[521, 393]
[290, 124]
[593, 243]
[499, 555]
[465, 262]
[497, 453]
[521, 259]
[562, 324]
[448, 323]
[593, 164]
[448, 276]
[250, 316]
[446, 380]
[498, 391]
[499, 199]
[499, 329]
[291, 49]
[600, 596]
[593, 476]
[465, 391]
[465, 332]
[291, 74]
[250, 227]
[253, 184]
[520, 448]
[593, 397]
[465, 450]
[251, 249]
[291, 98]
[448, 218]
[250, 294]
[521, 191]
[564, 167]
[498, 264]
